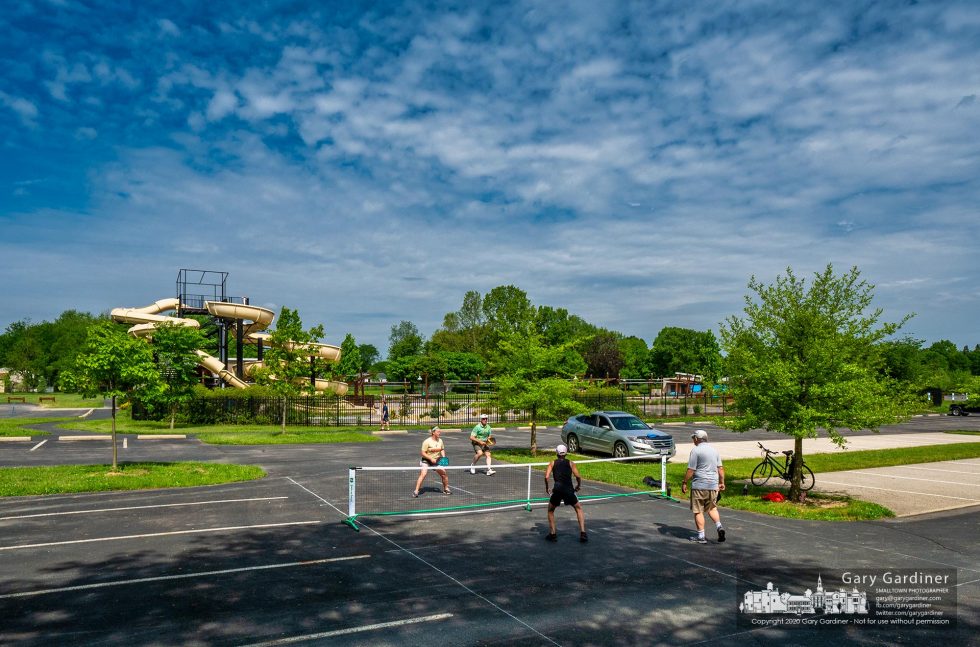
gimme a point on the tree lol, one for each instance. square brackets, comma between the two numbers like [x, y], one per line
[636, 358]
[507, 311]
[369, 356]
[349, 366]
[805, 358]
[175, 348]
[404, 341]
[113, 364]
[286, 365]
[602, 355]
[682, 350]
[546, 399]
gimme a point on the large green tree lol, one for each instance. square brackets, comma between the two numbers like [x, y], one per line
[113, 364]
[807, 356]
[682, 350]
[545, 399]
[404, 341]
[636, 358]
[602, 355]
[286, 365]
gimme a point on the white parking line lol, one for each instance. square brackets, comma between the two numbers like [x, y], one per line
[161, 534]
[933, 469]
[352, 630]
[911, 478]
[39, 444]
[888, 489]
[141, 507]
[163, 578]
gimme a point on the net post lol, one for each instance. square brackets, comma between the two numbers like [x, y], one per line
[351, 497]
[663, 475]
[528, 506]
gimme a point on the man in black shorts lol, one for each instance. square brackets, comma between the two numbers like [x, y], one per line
[563, 470]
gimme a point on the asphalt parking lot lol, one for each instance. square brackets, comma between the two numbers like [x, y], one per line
[268, 562]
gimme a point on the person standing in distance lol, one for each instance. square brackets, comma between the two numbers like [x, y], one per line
[479, 437]
[707, 476]
[385, 415]
[432, 450]
[563, 470]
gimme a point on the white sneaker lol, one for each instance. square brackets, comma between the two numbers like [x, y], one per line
[472, 470]
[491, 472]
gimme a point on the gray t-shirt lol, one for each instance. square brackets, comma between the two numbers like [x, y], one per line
[705, 461]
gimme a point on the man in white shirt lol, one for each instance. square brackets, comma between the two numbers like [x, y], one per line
[707, 476]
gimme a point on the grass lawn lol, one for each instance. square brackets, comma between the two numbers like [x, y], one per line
[61, 400]
[17, 426]
[818, 506]
[226, 434]
[62, 479]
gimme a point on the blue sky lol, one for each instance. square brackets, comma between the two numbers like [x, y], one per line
[633, 162]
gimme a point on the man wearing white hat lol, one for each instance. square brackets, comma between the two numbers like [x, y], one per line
[707, 476]
[563, 470]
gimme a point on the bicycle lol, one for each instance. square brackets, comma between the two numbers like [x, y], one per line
[769, 466]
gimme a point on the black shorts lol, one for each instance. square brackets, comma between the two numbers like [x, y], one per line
[563, 496]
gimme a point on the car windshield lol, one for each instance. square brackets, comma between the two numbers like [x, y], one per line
[629, 423]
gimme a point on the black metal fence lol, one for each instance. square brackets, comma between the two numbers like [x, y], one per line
[449, 409]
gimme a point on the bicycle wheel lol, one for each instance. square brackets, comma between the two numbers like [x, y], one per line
[808, 480]
[761, 474]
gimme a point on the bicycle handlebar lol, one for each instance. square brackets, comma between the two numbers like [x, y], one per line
[768, 451]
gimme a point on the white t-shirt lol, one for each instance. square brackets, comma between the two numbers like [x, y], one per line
[705, 461]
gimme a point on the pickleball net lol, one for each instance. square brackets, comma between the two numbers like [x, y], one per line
[387, 491]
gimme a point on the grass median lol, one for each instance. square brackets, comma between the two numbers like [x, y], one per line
[226, 434]
[53, 400]
[65, 479]
[19, 426]
[818, 506]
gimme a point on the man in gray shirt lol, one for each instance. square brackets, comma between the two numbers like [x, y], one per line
[707, 476]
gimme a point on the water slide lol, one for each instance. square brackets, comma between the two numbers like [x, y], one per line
[147, 318]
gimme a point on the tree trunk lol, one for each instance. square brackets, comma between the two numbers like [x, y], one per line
[173, 416]
[114, 461]
[534, 438]
[796, 470]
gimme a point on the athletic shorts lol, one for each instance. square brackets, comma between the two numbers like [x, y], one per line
[425, 463]
[703, 500]
[563, 496]
[478, 447]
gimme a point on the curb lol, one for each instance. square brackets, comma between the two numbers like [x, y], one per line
[10, 439]
[162, 437]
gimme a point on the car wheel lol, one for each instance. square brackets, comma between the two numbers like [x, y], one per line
[572, 443]
[955, 411]
[620, 450]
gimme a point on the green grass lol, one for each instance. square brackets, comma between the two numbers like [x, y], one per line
[63, 479]
[18, 426]
[226, 434]
[965, 432]
[61, 400]
[825, 507]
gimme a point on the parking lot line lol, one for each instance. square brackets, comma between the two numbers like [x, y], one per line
[140, 507]
[161, 534]
[888, 489]
[352, 630]
[909, 478]
[182, 576]
[39, 444]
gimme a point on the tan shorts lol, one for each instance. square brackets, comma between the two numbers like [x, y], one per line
[703, 500]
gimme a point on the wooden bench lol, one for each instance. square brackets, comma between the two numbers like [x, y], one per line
[46, 398]
[11, 398]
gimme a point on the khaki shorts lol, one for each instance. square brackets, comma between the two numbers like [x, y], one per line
[703, 500]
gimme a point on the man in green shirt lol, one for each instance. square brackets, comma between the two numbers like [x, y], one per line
[482, 440]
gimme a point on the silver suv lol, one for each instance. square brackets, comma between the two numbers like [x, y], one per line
[616, 432]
